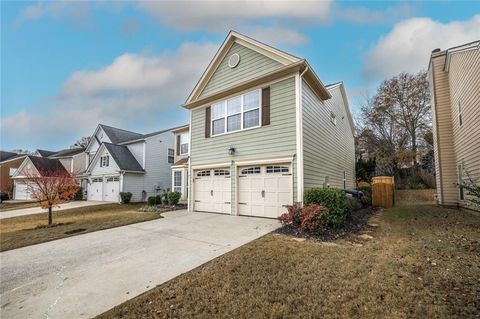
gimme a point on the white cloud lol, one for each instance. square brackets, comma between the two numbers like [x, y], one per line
[134, 92]
[75, 10]
[365, 15]
[408, 46]
[219, 16]
[275, 35]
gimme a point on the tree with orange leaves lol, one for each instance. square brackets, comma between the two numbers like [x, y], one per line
[51, 188]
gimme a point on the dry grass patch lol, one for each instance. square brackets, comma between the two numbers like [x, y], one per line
[28, 230]
[422, 262]
[5, 207]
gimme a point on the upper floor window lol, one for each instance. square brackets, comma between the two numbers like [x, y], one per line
[184, 144]
[333, 118]
[460, 114]
[104, 161]
[238, 113]
[171, 155]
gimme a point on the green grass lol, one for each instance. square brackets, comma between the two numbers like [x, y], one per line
[423, 262]
[28, 230]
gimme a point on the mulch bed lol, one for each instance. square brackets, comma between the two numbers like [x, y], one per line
[168, 208]
[356, 223]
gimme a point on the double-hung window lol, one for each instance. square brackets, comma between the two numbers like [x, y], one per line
[177, 181]
[104, 161]
[171, 155]
[184, 144]
[238, 113]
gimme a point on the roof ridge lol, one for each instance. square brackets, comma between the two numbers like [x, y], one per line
[120, 129]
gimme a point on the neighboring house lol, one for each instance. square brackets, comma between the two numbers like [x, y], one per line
[179, 157]
[9, 163]
[454, 76]
[263, 129]
[73, 159]
[43, 153]
[125, 161]
[31, 166]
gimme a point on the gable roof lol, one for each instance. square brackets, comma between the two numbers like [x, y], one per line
[341, 86]
[290, 64]
[68, 152]
[7, 155]
[45, 165]
[123, 157]
[45, 153]
[118, 135]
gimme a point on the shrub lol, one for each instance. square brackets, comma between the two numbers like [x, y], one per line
[152, 200]
[158, 199]
[355, 203]
[79, 194]
[126, 197]
[293, 216]
[335, 200]
[173, 198]
[149, 209]
[366, 199]
[310, 218]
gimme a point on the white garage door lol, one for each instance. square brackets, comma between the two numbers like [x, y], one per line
[212, 191]
[21, 192]
[95, 189]
[111, 189]
[264, 191]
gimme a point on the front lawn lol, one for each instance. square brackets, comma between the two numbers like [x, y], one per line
[413, 261]
[5, 207]
[28, 230]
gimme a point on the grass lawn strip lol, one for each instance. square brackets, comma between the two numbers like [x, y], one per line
[28, 230]
[418, 261]
[5, 207]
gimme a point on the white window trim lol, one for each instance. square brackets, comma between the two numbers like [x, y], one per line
[181, 181]
[188, 145]
[241, 114]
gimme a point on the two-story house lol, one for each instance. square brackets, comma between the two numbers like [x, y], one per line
[263, 129]
[454, 76]
[123, 161]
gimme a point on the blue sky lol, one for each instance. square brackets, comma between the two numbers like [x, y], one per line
[66, 66]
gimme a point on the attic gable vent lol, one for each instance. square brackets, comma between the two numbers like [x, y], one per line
[233, 60]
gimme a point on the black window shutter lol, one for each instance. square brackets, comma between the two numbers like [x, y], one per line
[208, 111]
[178, 144]
[266, 106]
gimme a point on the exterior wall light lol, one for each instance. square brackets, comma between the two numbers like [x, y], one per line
[231, 151]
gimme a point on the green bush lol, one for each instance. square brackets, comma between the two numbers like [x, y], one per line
[152, 200]
[335, 200]
[366, 199]
[158, 199]
[355, 203]
[173, 198]
[79, 194]
[126, 197]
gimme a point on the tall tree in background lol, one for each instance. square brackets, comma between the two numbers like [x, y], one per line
[406, 98]
[82, 142]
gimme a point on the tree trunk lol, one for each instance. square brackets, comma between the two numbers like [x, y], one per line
[50, 217]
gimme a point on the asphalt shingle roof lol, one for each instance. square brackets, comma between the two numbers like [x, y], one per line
[45, 153]
[68, 152]
[47, 165]
[6, 155]
[117, 135]
[123, 157]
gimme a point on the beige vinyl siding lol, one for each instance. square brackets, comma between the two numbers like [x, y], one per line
[67, 163]
[443, 135]
[252, 64]
[464, 81]
[277, 140]
[79, 162]
[328, 149]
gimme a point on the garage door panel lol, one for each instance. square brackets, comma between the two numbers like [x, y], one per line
[277, 192]
[212, 192]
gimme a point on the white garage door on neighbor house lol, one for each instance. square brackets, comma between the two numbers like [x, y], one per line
[104, 189]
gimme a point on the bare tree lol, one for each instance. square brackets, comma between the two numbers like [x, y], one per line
[82, 142]
[406, 99]
[51, 188]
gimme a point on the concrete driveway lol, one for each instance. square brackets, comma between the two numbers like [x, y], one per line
[38, 210]
[85, 275]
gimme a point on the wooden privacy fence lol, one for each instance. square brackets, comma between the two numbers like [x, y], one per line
[383, 194]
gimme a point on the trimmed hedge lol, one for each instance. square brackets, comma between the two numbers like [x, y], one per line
[173, 198]
[152, 200]
[334, 199]
[126, 197]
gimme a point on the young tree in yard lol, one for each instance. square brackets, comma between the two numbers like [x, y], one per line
[51, 188]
